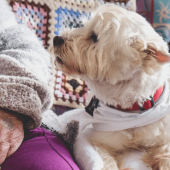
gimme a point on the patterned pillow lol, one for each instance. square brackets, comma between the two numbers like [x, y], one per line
[157, 12]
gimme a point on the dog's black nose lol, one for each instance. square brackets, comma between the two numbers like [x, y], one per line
[57, 41]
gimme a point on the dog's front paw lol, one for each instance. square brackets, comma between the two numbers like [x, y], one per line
[86, 156]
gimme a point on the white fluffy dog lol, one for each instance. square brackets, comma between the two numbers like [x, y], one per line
[124, 62]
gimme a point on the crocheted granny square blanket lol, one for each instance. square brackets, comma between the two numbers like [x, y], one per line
[157, 12]
[35, 16]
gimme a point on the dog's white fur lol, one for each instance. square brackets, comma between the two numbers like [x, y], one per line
[120, 69]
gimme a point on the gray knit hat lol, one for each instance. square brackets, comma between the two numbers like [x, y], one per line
[24, 69]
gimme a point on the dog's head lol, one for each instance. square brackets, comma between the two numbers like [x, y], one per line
[112, 47]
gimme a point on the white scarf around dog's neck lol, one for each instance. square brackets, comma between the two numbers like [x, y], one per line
[109, 119]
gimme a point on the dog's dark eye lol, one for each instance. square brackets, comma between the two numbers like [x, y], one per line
[94, 37]
[59, 60]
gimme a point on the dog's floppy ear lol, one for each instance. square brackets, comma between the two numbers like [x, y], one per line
[153, 60]
[149, 53]
[140, 45]
[160, 57]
